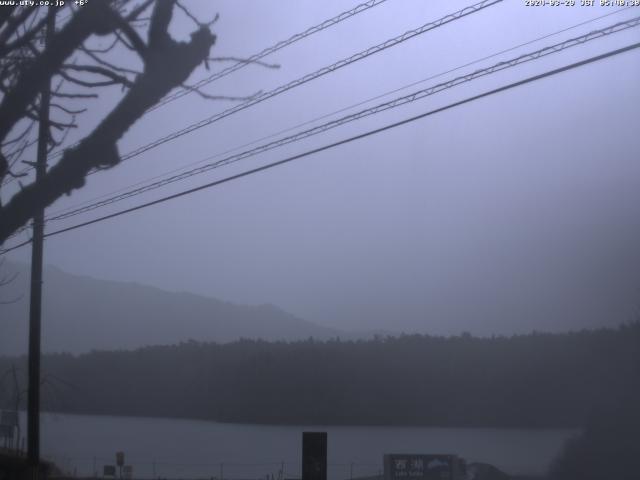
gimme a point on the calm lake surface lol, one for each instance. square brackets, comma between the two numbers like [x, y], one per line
[198, 449]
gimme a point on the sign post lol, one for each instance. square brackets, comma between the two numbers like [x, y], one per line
[120, 461]
[314, 455]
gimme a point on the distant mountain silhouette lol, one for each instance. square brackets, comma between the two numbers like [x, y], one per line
[83, 313]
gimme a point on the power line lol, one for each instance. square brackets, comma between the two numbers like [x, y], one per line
[418, 95]
[253, 58]
[307, 78]
[342, 142]
[317, 74]
[327, 115]
[272, 49]
[620, 26]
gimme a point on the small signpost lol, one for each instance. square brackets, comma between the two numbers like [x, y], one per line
[120, 461]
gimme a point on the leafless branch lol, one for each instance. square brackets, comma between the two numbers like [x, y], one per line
[67, 110]
[75, 95]
[220, 97]
[26, 38]
[167, 65]
[106, 64]
[13, 23]
[114, 77]
[106, 49]
[137, 44]
[90, 84]
[135, 13]
[56, 143]
[24, 133]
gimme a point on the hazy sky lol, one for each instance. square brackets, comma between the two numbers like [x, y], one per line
[520, 211]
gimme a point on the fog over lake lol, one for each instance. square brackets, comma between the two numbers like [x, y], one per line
[188, 448]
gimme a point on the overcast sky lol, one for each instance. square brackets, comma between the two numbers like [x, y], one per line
[517, 212]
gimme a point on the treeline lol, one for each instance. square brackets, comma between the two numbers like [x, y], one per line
[535, 380]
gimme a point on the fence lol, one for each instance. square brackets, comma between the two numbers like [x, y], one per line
[214, 470]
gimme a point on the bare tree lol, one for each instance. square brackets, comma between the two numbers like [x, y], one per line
[75, 66]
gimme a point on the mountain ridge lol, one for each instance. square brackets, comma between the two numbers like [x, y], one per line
[83, 313]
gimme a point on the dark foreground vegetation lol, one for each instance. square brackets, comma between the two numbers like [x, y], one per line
[608, 448]
[536, 380]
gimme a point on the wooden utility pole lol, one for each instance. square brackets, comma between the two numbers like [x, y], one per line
[35, 304]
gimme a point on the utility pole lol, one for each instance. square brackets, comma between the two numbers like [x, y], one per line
[35, 305]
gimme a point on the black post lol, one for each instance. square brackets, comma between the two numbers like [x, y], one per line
[314, 455]
[35, 305]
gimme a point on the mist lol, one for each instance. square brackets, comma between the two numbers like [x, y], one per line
[461, 263]
[507, 215]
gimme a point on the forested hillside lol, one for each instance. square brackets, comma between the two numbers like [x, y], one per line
[534, 380]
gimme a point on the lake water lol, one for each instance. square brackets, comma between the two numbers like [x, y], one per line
[171, 448]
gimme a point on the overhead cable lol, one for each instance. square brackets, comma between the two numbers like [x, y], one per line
[397, 102]
[272, 49]
[341, 142]
[251, 59]
[335, 112]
